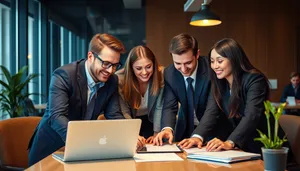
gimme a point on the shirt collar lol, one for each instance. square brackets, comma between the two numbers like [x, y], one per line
[91, 83]
[194, 74]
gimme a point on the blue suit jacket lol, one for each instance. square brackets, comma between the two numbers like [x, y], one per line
[175, 91]
[68, 101]
[289, 91]
[242, 131]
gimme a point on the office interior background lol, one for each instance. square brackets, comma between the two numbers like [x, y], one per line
[46, 34]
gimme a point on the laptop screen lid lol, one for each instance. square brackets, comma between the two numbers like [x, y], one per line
[101, 139]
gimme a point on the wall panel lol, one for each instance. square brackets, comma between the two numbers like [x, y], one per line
[266, 30]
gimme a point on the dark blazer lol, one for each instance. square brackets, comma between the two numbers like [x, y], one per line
[68, 101]
[242, 131]
[289, 91]
[175, 92]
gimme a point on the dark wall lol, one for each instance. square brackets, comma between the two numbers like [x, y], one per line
[267, 30]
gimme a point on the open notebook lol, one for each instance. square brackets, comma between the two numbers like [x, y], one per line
[230, 156]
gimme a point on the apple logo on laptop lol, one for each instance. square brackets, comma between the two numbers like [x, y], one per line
[102, 140]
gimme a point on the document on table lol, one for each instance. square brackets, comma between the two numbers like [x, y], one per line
[195, 150]
[291, 100]
[167, 148]
[155, 157]
[229, 156]
[211, 163]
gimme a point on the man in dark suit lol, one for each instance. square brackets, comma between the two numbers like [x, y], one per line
[187, 83]
[79, 91]
[292, 90]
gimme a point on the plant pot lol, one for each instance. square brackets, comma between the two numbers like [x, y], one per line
[275, 159]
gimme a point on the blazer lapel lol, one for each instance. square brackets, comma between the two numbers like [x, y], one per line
[199, 84]
[82, 85]
[181, 90]
[101, 97]
[133, 111]
[225, 100]
[225, 103]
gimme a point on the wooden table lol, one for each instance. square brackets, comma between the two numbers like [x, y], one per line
[297, 106]
[51, 164]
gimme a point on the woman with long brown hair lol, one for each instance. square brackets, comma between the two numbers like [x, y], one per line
[141, 89]
[235, 108]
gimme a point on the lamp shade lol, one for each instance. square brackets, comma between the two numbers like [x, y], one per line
[205, 17]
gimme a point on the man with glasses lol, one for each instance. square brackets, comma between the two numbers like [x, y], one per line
[79, 91]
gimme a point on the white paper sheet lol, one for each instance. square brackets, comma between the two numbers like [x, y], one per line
[195, 150]
[164, 148]
[155, 157]
[211, 163]
[291, 100]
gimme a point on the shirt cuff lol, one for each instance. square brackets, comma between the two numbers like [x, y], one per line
[231, 142]
[167, 127]
[197, 136]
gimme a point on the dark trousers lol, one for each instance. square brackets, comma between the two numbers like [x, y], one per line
[146, 127]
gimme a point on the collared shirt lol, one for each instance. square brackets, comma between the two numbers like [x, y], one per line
[295, 89]
[193, 76]
[92, 86]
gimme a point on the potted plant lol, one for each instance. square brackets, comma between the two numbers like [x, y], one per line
[274, 154]
[13, 94]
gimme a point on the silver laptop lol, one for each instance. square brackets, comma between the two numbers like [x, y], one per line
[100, 139]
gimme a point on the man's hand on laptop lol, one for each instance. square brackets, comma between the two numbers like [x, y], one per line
[141, 141]
[150, 140]
[166, 133]
[189, 142]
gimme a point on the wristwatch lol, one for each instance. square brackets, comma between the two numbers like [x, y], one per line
[231, 142]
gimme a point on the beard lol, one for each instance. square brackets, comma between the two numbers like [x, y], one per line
[98, 75]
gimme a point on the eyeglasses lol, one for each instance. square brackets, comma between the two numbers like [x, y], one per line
[106, 64]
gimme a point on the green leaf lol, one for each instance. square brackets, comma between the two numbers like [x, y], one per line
[21, 85]
[6, 73]
[267, 141]
[280, 111]
[13, 93]
[267, 109]
[4, 84]
[23, 69]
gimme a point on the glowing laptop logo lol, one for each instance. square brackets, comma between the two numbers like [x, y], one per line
[102, 140]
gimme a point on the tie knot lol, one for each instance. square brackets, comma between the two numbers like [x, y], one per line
[189, 80]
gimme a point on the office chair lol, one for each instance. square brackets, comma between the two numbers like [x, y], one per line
[15, 134]
[291, 126]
